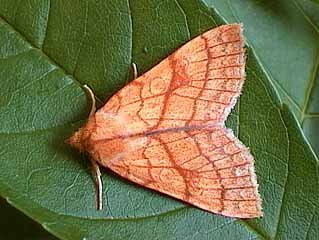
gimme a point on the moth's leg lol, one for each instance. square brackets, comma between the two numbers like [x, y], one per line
[95, 167]
[134, 67]
[98, 184]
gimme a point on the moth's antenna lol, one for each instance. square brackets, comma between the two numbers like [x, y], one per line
[95, 167]
[93, 106]
[134, 67]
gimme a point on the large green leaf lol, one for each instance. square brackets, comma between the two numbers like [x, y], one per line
[285, 37]
[48, 49]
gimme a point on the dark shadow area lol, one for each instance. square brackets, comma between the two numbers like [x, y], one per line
[15, 225]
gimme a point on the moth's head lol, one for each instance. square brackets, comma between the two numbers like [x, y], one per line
[80, 139]
[76, 141]
[102, 137]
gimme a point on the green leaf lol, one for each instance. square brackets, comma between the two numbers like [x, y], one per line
[48, 49]
[284, 35]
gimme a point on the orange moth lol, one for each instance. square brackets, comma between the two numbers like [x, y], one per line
[165, 130]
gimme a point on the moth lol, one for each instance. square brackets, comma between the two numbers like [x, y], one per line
[165, 130]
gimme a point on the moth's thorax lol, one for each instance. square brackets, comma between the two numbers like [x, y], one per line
[106, 136]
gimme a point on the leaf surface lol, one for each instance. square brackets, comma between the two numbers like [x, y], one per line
[48, 49]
